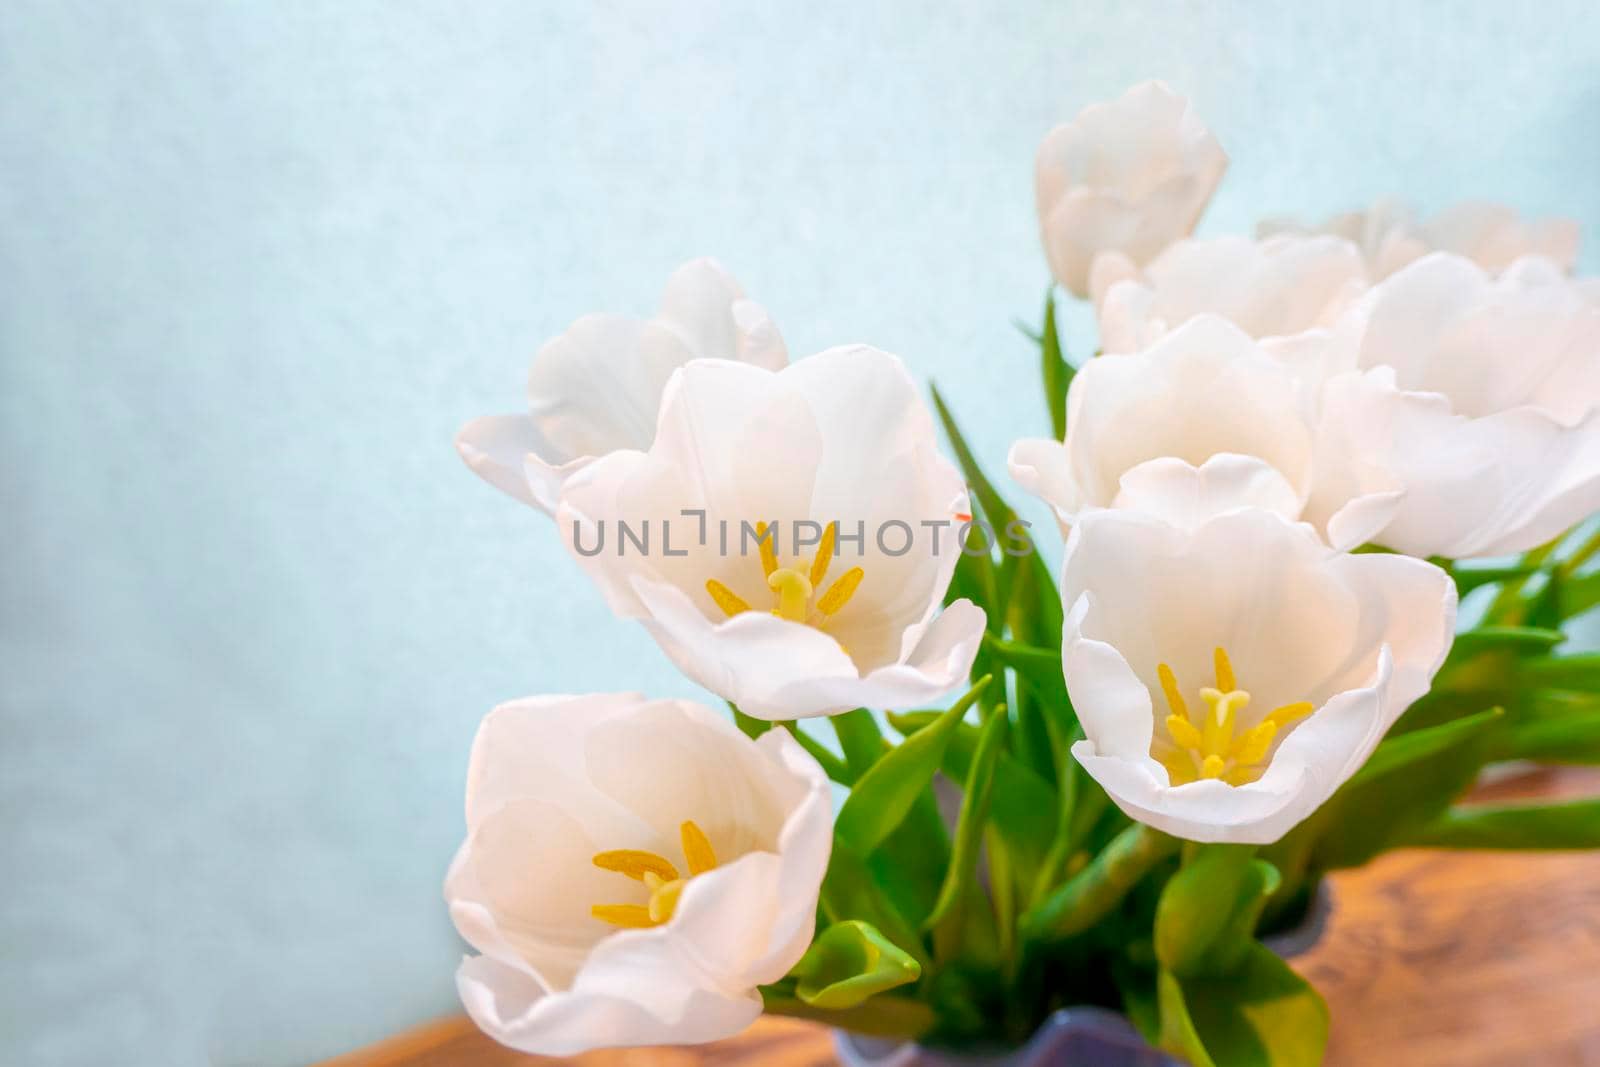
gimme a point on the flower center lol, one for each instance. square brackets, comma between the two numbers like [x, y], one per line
[794, 589]
[1214, 746]
[658, 875]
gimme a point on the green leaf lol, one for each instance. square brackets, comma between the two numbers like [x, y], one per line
[1207, 913]
[1022, 803]
[1566, 739]
[850, 890]
[749, 725]
[1470, 577]
[1408, 781]
[958, 877]
[860, 740]
[849, 962]
[1517, 640]
[884, 795]
[894, 1017]
[1262, 1015]
[835, 768]
[1580, 672]
[1573, 824]
[1039, 667]
[1056, 371]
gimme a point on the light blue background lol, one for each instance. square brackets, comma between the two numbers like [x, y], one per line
[259, 261]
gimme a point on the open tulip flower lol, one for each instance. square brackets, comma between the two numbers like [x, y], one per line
[1491, 235]
[806, 531]
[1274, 288]
[1205, 420]
[1129, 176]
[1478, 397]
[1243, 675]
[633, 871]
[1231, 676]
[595, 389]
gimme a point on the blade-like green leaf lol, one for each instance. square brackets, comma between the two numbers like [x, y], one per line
[1205, 920]
[1056, 371]
[1580, 672]
[860, 739]
[969, 822]
[1518, 640]
[850, 890]
[1262, 1015]
[883, 796]
[849, 962]
[835, 768]
[1574, 824]
[1559, 739]
[1470, 577]
[1408, 781]
[1023, 803]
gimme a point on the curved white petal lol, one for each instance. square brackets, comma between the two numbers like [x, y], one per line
[1205, 419]
[1272, 288]
[1130, 175]
[596, 388]
[1182, 494]
[513, 1009]
[554, 781]
[1477, 398]
[841, 437]
[1359, 637]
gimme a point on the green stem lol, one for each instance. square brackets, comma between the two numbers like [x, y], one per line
[1581, 555]
[1092, 893]
[1507, 605]
[834, 767]
[879, 1016]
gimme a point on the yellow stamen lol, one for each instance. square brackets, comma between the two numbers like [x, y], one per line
[697, 848]
[840, 592]
[1179, 764]
[769, 549]
[819, 566]
[730, 602]
[636, 864]
[1290, 713]
[664, 901]
[659, 876]
[794, 593]
[1221, 744]
[1183, 732]
[1169, 686]
[632, 916]
[1225, 680]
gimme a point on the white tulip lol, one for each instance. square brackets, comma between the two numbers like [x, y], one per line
[1273, 288]
[1491, 235]
[803, 533]
[1230, 677]
[633, 870]
[1205, 421]
[1131, 175]
[1478, 396]
[596, 388]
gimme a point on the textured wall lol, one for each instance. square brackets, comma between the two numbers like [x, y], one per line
[259, 260]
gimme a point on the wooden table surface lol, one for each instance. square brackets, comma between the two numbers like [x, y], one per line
[1431, 959]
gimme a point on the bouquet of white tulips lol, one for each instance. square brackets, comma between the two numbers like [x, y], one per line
[1289, 461]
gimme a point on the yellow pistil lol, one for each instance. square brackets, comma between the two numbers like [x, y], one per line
[659, 876]
[795, 587]
[1216, 746]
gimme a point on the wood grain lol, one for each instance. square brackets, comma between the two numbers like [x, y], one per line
[1431, 959]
